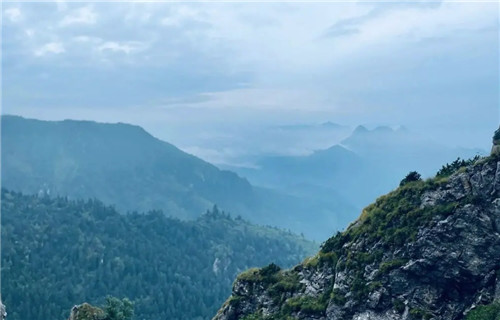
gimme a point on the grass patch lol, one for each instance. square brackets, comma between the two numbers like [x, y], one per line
[486, 312]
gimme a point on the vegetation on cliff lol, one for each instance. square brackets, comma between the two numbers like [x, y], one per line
[367, 254]
[113, 309]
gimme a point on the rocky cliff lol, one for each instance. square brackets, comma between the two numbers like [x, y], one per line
[428, 250]
[3, 313]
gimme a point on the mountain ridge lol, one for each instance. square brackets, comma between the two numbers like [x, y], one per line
[427, 250]
[125, 166]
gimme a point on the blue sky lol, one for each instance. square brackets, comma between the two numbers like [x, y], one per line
[193, 73]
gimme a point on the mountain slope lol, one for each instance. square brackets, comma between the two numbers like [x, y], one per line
[124, 166]
[428, 250]
[121, 164]
[57, 252]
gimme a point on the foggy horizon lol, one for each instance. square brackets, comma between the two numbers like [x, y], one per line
[191, 74]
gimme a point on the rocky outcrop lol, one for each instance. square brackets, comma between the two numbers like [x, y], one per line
[85, 311]
[3, 312]
[428, 250]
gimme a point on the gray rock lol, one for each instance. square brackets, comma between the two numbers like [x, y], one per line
[3, 312]
[449, 268]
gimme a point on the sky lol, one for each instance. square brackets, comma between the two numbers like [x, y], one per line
[217, 79]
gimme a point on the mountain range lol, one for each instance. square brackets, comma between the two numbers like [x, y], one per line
[358, 169]
[124, 166]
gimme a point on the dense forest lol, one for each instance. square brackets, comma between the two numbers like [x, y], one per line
[58, 252]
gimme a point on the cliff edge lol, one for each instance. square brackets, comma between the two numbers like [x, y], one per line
[427, 250]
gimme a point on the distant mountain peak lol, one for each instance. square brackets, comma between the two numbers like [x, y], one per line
[360, 129]
[329, 124]
[383, 129]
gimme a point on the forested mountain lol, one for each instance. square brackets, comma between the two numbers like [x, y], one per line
[58, 252]
[124, 166]
[428, 250]
[120, 164]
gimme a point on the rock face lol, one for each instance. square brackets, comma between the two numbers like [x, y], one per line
[495, 150]
[3, 313]
[428, 250]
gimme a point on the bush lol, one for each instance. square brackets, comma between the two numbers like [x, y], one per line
[399, 306]
[411, 177]
[337, 297]
[496, 136]
[450, 168]
[308, 305]
[387, 266]
[486, 312]
[269, 270]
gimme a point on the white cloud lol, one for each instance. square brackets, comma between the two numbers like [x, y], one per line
[29, 32]
[61, 5]
[125, 47]
[87, 39]
[51, 47]
[179, 15]
[384, 62]
[13, 14]
[84, 15]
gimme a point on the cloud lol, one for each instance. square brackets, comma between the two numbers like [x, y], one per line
[352, 61]
[51, 47]
[125, 47]
[87, 39]
[179, 15]
[13, 14]
[29, 32]
[83, 15]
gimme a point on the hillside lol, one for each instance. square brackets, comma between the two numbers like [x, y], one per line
[428, 250]
[120, 164]
[124, 166]
[57, 253]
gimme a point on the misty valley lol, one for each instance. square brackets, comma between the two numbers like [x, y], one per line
[93, 210]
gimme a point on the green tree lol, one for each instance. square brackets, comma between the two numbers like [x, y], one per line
[117, 309]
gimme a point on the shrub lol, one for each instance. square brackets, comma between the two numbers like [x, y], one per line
[399, 306]
[486, 312]
[411, 177]
[307, 304]
[337, 297]
[450, 168]
[386, 267]
[253, 316]
[496, 136]
[269, 270]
